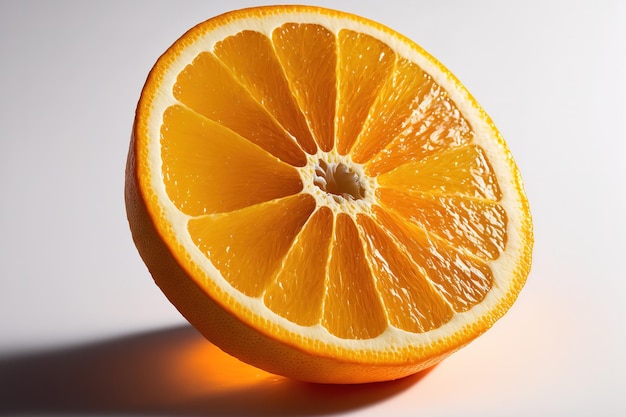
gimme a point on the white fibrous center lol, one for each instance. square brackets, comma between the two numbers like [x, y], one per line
[339, 180]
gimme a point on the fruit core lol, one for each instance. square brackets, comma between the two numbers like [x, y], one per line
[338, 179]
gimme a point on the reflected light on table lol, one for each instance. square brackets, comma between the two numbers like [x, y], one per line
[202, 366]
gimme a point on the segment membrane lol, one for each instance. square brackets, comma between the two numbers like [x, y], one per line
[248, 245]
[251, 59]
[208, 168]
[209, 88]
[352, 306]
[307, 53]
[298, 290]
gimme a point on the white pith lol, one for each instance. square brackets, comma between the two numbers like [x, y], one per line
[485, 136]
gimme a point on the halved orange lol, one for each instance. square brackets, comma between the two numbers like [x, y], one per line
[321, 198]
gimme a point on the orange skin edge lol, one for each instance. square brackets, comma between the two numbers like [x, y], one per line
[234, 334]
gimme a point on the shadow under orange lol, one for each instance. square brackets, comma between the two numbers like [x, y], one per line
[173, 371]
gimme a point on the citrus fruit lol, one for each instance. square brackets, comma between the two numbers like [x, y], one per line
[321, 198]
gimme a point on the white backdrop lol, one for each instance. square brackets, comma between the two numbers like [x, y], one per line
[80, 315]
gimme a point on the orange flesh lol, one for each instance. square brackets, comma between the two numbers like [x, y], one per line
[252, 109]
[204, 160]
[251, 59]
[247, 245]
[398, 100]
[364, 64]
[413, 304]
[311, 74]
[352, 309]
[209, 88]
[434, 127]
[302, 276]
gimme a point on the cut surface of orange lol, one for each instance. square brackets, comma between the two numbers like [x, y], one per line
[321, 198]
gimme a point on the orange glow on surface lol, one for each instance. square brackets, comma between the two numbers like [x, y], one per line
[202, 366]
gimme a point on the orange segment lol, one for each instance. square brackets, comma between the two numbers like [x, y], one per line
[310, 70]
[352, 307]
[399, 100]
[458, 171]
[478, 226]
[436, 125]
[462, 280]
[411, 302]
[247, 245]
[250, 57]
[364, 63]
[208, 168]
[298, 290]
[209, 88]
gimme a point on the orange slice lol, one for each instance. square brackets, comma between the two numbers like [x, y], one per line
[321, 198]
